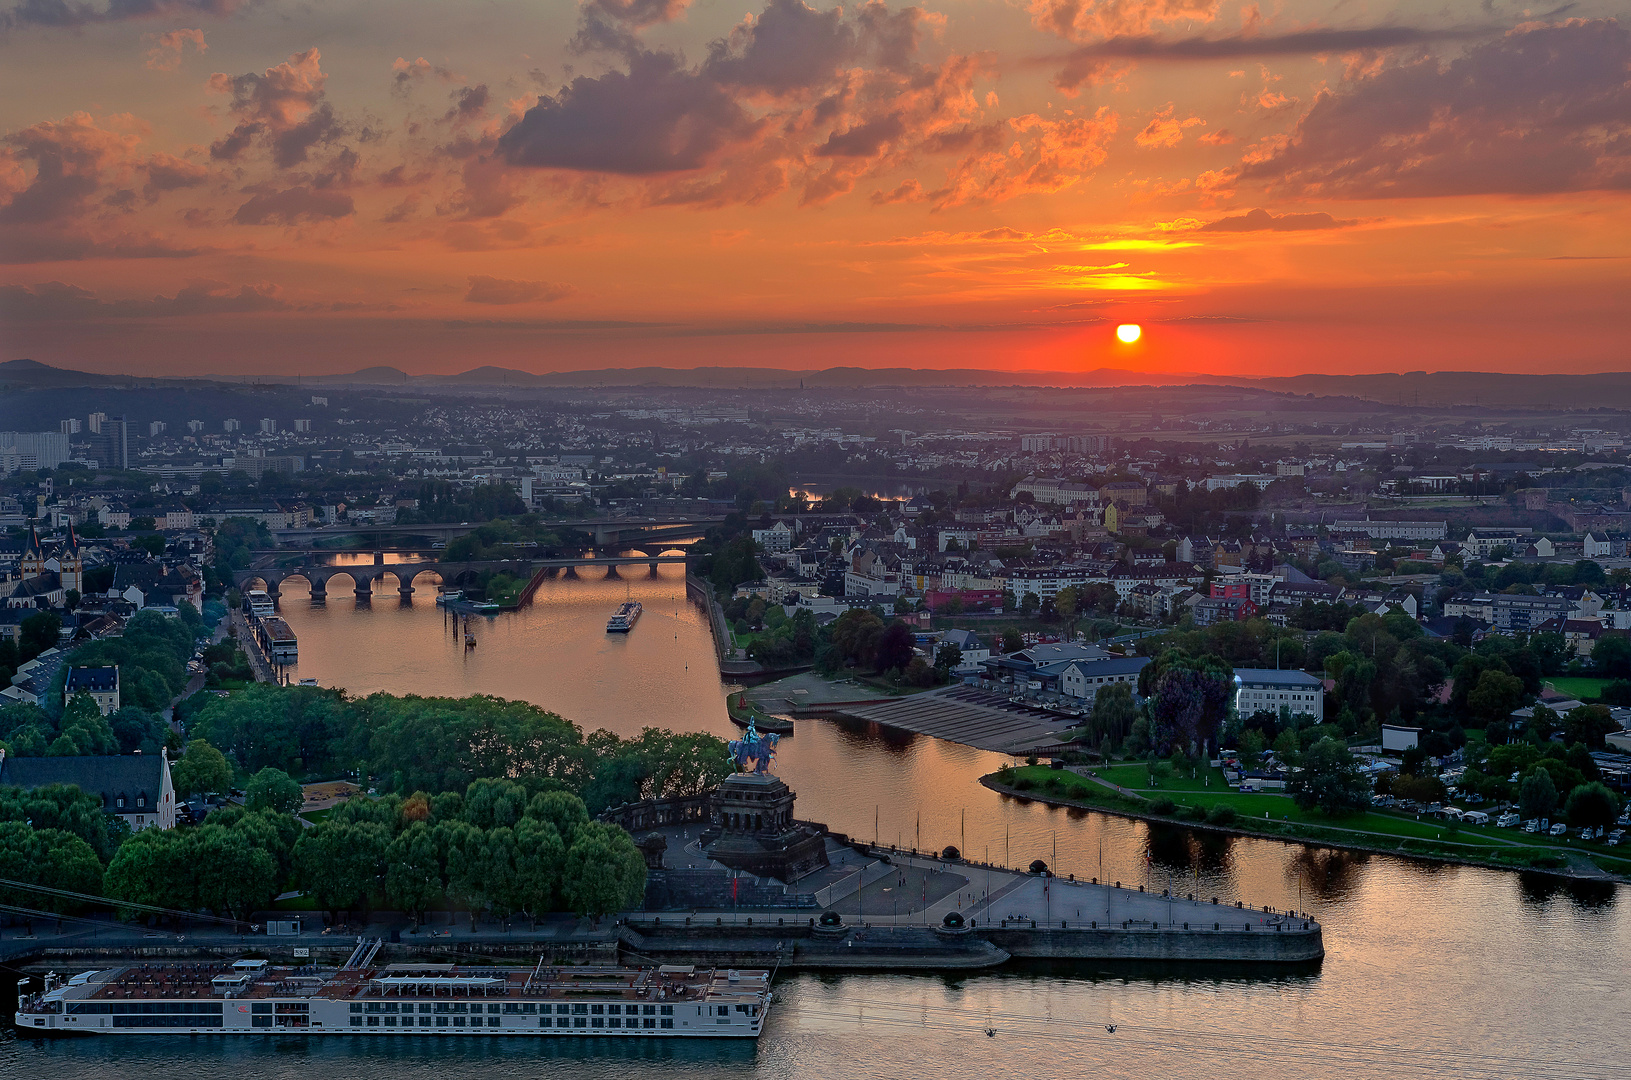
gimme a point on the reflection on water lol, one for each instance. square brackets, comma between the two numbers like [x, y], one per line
[1440, 969]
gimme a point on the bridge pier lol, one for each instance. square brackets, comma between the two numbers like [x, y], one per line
[272, 591]
[364, 590]
[653, 569]
[611, 572]
[319, 591]
[405, 590]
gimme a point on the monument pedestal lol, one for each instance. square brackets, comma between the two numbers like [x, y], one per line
[753, 830]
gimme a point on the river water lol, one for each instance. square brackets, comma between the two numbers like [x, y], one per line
[1454, 971]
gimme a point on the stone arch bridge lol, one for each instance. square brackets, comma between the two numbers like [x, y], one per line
[365, 577]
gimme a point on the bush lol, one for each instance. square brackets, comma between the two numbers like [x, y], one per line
[1193, 813]
[1023, 784]
[1221, 814]
[1162, 806]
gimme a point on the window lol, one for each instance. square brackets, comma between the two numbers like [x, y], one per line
[598, 1009]
[373, 1021]
[648, 1022]
[561, 1021]
[494, 1021]
[599, 1021]
[580, 1021]
[390, 1021]
[458, 1021]
[356, 1021]
[668, 1023]
[424, 1021]
[651, 1010]
[668, 1010]
[424, 1008]
[493, 1008]
[580, 1009]
[441, 1021]
[615, 1022]
[356, 1006]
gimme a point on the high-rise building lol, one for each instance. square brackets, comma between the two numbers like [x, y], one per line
[268, 426]
[70, 426]
[112, 446]
[24, 451]
[195, 426]
[302, 425]
[230, 425]
[157, 427]
[94, 422]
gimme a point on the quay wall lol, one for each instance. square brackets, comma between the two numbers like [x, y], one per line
[1263, 946]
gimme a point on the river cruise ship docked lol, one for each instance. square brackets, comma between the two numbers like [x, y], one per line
[624, 618]
[254, 997]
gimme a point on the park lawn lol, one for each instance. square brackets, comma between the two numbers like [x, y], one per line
[1285, 817]
[1137, 777]
[317, 816]
[1581, 686]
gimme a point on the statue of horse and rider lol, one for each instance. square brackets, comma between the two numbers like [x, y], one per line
[753, 752]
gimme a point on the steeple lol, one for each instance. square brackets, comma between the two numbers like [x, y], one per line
[32, 564]
[70, 567]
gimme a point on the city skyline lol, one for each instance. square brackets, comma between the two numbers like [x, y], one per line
[209, 186]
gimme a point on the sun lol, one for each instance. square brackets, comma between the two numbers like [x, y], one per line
[1129, 332]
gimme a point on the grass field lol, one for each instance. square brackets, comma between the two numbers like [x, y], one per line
[1579, 686]
[1279, 815]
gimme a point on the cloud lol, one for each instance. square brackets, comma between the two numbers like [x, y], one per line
[284, 108]
[293, 205]
[492, 290]
[654, 118]
[1078, 20]
[168, 173]
[58, 301]
[1263, 221]
[1236, 46]
[469, 103]
[1544, 108]
[788, 47]
[405, 72]
[165, 55]
[640, 13]
[65, 13]
[1164, 130]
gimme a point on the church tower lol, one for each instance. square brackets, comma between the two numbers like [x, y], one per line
[32, 564]
[71, 568]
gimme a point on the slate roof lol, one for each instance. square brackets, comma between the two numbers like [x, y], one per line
[109, 776]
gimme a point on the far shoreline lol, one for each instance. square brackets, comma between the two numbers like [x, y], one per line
[1569, 872]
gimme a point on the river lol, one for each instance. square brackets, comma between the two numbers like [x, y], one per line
[1447, 970]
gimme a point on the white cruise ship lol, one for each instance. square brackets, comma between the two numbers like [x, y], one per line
[624, 618]
[253, 997]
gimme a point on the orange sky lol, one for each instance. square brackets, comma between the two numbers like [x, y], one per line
[192, 186]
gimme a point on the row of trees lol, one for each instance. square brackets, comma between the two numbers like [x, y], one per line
[490, 849]
[443, 744]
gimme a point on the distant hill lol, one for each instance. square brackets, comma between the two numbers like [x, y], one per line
[1440, 388]
[33, 375]
[1436, 389]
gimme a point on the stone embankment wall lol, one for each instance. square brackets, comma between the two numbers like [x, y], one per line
[1260, 946]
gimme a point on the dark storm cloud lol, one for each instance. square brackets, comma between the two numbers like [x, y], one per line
[293, 205]
[57, 301]
[61, 13]
[1246, 45]
[1544, 108]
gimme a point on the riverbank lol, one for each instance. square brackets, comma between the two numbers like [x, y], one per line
[1412, 839]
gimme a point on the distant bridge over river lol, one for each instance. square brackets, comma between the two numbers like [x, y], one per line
[608, 533]
[366, 576]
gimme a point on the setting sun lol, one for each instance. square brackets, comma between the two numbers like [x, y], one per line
[1129, 332]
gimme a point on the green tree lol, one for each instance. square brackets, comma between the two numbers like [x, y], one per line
[604, 872]
[1611, 656]
[340, 864]
[50, 858]
[1495, 696]
[202, 770]
[1537, 795]
[273, 789]
[65, 808]
[1012, 642]
[540, 856]
[1113, 714]
[1331, 779]
[561, 809]
[1588, 724]
[413, 876]
[1592, 805]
